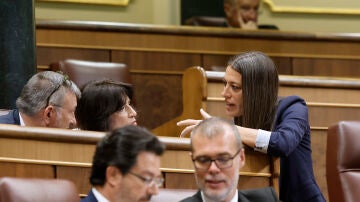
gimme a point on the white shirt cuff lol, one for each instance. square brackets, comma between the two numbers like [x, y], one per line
[262, 141]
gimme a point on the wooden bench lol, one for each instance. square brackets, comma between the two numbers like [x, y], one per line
[329, 99]
[158, 55]
[67, 154]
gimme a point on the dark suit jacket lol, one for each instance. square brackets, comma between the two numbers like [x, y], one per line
[252, 195]
[89, 198]
[290, 139]
[11, 118]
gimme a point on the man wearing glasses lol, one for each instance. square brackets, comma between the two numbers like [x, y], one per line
[126, 166]
[218, 156]
[48, 99]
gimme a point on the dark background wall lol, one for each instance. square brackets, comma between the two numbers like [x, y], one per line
[17, 48]
[191, 8]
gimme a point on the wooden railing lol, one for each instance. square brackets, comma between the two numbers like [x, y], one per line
[158, 55]
[67, 154]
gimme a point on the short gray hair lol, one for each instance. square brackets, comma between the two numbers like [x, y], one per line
[44, 88]
[215, 126]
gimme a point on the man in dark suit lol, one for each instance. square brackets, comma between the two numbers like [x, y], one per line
[48, 99]
[126, 166]
[12, 117]
[218, 156]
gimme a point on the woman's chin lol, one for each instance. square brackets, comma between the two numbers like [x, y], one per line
[232, 113]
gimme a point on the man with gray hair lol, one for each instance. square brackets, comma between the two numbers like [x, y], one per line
[218, 156]
[242, 13]
[48, 99]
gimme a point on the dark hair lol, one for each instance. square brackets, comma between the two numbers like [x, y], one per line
[99, 100]
[260, 83]
[120, 148]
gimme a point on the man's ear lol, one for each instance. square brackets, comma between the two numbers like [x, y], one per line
[49, 114]
[242, 157]
[113, 176]
[227, 9]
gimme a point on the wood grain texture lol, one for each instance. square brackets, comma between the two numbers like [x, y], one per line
[161, 51]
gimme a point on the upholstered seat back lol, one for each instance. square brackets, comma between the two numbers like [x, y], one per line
[23, 190]
[343, 161]
[81, 71]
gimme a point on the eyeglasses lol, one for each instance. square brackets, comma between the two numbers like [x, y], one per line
[204, 162]
[157, 181]
[65, 79]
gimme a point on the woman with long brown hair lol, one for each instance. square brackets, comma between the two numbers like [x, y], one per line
[270, 124]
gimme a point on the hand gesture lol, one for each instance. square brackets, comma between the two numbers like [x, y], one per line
[249, 25]
[191, 123]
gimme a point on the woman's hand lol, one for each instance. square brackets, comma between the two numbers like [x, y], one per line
[191, 123]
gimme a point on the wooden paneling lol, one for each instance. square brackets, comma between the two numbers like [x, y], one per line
[164, 51]
[324, 95]
[180, 180]
[327, 67]
[323, 116]
[47, 55]
[156, 61]
[26, 170]
[79, 175]
[67, 154]
[156, 98]
[318, 147]
[215, 62]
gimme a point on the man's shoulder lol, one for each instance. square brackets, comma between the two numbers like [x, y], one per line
[266, 194]
[89, 198]
[10, 118]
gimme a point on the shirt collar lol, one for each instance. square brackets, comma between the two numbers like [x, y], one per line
[21, 120]
[234, 198]
[99, 196]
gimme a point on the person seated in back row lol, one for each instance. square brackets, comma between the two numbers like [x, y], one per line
[105, 105]
[48, 99]
[244, 14]
[126, 166]
[218, 156]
